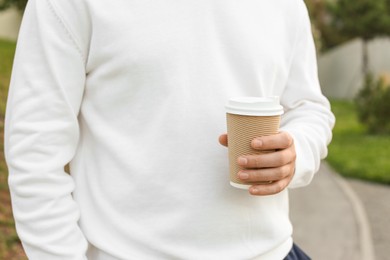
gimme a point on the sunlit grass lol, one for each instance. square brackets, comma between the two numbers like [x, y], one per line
[353, 152]
[10, 247]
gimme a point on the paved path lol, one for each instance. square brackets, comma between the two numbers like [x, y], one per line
[330, 221]
[376, 200]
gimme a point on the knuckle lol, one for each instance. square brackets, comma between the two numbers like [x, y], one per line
[280, 173]
[288, 139]
[283, 158]
[287, 156]
[272, 190]
[291, 155]
[257, 162]
[278, 187]
[294, 155]
[285, 171]
[255, 176]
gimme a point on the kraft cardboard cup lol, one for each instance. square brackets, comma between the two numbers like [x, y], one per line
[247, 118]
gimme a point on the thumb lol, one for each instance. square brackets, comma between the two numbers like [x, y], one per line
[223, 140]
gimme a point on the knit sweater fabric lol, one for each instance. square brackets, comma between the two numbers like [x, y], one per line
[131, 94]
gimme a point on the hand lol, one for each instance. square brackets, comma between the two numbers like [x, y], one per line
[273, 170]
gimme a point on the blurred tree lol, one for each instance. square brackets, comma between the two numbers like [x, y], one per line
[366, 19]
[314, 17]
[325, 35]
[20, 4]
[372, 103]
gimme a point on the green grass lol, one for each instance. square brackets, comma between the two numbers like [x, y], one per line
[353, 152]
[7, 50]
[10, 247]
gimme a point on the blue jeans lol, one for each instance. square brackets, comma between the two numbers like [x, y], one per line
[296, 254]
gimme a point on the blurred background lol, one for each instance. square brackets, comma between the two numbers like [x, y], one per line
[345, 213]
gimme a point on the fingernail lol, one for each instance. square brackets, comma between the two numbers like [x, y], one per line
[242, 161]
[254, 190]
[243, 175]
[257, 143]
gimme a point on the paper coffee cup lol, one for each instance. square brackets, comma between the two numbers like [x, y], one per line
[247, 118]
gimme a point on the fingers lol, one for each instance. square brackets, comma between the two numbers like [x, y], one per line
[272, 171]
[278, 141]
[266, 175]
[270, 189]
[223, 140]
[267, 160]
[268, 181]
[269, 172]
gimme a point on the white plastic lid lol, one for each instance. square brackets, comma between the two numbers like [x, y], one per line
[254, 106]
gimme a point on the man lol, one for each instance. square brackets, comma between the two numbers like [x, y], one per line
[132, 94]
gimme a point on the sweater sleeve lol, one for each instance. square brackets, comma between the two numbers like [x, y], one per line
[307, 117]
[41, 135]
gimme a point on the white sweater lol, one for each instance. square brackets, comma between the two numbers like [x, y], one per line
[132, 94]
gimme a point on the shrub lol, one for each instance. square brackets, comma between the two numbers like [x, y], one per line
[373, 104]
[5, 4]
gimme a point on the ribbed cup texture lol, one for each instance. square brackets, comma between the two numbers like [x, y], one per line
[241, 131]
